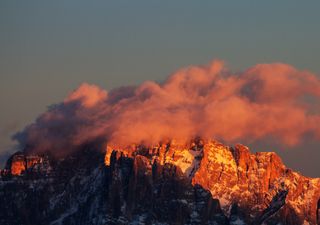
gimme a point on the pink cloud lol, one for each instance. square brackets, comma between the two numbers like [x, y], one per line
[267, 100]
[89, 95]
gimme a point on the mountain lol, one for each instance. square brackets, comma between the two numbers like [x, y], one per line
[203, 182]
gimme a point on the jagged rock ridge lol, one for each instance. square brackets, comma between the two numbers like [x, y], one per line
[203, 182]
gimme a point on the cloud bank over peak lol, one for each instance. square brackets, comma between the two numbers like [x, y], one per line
[274, 101]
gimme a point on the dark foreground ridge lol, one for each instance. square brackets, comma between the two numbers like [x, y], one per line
[171, 183]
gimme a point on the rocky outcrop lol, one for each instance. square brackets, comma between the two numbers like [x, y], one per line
[203, 182]
[19, 162]
[233, 175]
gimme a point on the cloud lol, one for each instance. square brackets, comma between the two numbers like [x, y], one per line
[88, 95]
[274, 101]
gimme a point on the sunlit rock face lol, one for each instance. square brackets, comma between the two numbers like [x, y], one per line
[233, 175]
[237, 177]
[200, 182]
[20, 162]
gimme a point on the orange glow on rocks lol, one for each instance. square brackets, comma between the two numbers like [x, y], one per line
[18, 165]
[20, 162]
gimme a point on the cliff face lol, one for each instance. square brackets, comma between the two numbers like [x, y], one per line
[233, 175]
[19, 162]
[203, 182]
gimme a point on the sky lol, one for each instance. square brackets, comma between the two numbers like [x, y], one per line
[48, 48]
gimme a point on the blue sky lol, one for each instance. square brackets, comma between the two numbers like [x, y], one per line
[48, 48]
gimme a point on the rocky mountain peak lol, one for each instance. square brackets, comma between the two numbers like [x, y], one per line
[20, 162]
[235, 176]
[201, 182]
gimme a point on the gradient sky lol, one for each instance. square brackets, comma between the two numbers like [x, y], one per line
[48, 48]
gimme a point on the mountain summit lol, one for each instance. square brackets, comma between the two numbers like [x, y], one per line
[203, 182]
